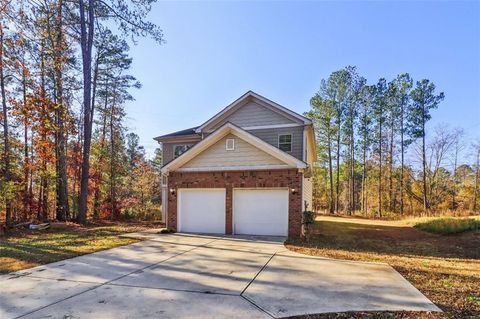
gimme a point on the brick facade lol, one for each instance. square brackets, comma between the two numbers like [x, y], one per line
[290, 178]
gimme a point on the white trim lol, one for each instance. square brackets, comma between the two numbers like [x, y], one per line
[238, 101]
[262, 127]
[304, 146]
[162, 177]
[164, 204]
[232, 145]
[231, 168]
[240, 133]
[311, 145]
[180, 139]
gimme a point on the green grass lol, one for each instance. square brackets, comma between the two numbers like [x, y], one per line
[25, 249]
[446, 226]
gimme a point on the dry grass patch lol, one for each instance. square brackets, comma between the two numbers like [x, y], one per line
[23, 248]
[449, 225]
[446, 268]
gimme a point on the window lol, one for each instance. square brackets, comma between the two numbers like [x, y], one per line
[230, 144]
[285, 142]
[180, 149]
[164, 180]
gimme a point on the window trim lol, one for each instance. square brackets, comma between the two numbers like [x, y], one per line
[291, 142]
[189, 146]
[164, 180]
[233, 144]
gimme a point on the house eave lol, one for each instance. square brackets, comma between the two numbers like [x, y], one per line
[288, 159]
[250, 94]
[182, 138]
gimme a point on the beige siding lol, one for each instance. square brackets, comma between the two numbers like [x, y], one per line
[253, 114]
[244, 154]
[307, 192]
[271, 137]
[268, 135]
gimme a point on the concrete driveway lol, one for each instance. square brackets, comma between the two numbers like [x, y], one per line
[193, 276]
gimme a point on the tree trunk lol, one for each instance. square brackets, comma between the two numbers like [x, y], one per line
[86, 46]
[391, 203]
[402, 151]
[337, 186]
[96, 198]
[6, 137]
[424, 165]
[475, 194]
[348, 164]
[454, 193]
[380, 168]
[26, 158]
[364, 177]
[42, 213]
[352, 167]
[62, 178]
[113, 194]
[330, 174]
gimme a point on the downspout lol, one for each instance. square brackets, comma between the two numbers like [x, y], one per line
[165, 194]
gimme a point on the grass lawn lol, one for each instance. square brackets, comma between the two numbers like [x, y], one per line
[24, 248]
[445, 268]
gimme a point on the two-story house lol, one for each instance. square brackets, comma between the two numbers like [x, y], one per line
[247, 170]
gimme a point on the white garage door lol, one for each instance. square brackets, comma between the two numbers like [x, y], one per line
[260, 211]
[201, 210]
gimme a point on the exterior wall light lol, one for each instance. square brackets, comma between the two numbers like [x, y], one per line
[172, 191]
[293, 190]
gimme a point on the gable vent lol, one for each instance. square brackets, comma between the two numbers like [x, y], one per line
[230, 144]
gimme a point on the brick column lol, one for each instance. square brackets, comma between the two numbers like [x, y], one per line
[228, 210]
[172, 208]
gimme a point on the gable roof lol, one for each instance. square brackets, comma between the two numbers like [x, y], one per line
[244, 135]
[235, 105]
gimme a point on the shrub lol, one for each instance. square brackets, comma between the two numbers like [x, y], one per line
[308, 217]
[128, 214]
[449, 225]
[166, 231]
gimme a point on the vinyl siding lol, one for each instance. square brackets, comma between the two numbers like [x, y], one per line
[244, 154]
[307, 192]
[271, 137]
[167, 150]
[253, 114]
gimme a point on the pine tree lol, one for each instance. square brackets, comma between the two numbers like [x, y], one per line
[424, 100]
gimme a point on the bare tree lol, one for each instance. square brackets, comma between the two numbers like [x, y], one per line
[458, 147]
[476, 148]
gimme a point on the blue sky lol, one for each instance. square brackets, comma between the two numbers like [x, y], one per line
[216, 51]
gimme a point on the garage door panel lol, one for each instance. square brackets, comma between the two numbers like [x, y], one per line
[201, 210]
[261, 212]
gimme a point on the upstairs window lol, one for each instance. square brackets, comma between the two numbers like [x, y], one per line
[180, 149]
[285, 142]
